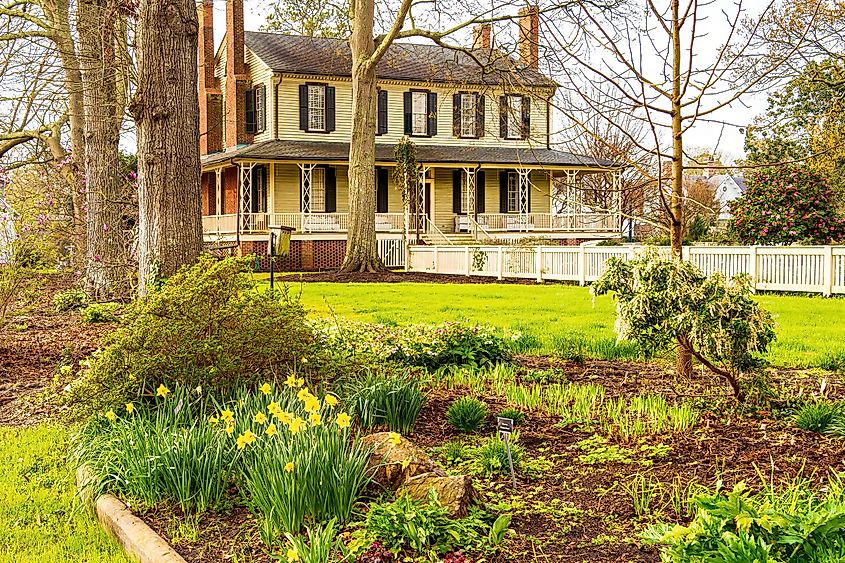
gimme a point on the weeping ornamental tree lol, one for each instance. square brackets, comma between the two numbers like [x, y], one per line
[669, 305]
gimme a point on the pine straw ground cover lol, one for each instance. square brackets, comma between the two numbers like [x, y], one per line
[578, 497]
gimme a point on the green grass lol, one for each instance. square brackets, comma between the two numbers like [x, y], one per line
[810, 331]
[40, 518]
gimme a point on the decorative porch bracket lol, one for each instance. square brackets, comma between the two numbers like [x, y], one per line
[524, 186]
[246, 193]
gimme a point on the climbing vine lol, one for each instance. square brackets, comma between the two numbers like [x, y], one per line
[405, 171]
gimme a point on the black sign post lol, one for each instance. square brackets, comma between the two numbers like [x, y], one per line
[505, 428]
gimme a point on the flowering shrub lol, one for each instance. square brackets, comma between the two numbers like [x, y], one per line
[429, 346]
[787, 205]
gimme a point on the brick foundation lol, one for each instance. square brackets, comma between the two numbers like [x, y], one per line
[304, 256]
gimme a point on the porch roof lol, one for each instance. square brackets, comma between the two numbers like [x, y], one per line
[315, 151]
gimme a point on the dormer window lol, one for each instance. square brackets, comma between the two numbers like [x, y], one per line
[514, 116]
[316, 108]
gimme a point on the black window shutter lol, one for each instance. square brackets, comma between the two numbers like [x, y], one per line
[432, 114]
[456, 115]
[526, 117]
[503, 191]
[330, 120]
[381, 189]
[456, 191]
[407, 101]
[249, 106]
[381, 126]
[303, 107]
[479, 115]
[503, 117]
[331, 189]
[479, 191]
[262, 122]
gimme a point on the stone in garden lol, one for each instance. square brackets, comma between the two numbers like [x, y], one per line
[454, 492]
[395, 463]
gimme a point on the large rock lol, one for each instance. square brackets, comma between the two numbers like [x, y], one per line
[395, 463]
[454, 492]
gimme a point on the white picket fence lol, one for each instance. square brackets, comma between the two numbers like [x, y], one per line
[815, 269]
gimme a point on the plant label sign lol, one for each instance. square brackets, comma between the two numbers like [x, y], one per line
[504, 425]
[505, 428]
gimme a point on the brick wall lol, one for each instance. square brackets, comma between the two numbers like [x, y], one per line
[230, 190]
[304, 256]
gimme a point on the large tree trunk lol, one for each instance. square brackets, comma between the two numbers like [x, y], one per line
[166, 111]
[676, 207]
[107, 266]
[361, 246]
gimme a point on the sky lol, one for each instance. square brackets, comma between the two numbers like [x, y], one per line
[728, 140]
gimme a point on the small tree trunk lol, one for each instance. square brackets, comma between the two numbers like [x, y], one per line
[361, 245]
[107, 266]
[166, 111]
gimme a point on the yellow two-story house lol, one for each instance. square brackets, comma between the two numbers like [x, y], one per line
[275, 114]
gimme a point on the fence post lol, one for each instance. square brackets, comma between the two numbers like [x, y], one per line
[469, 263]
[436, 264]
[582, 265]
[501, 263]
[752, 266]
[538, 262]
[827, 279]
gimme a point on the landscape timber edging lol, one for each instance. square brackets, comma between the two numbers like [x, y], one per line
[137, 539]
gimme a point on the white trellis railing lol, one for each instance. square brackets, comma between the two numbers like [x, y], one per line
[814, 269]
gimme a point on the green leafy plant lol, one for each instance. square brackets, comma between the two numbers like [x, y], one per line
[322, 546]
[491, 457]
[516, 415]
[70, 299]
[642, 491]
[100, 313]
[467, 414]
[817, 416]
[377, 398]
[665, 304]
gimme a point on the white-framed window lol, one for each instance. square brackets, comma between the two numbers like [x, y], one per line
[514, 117]
[513, 192]
[316, 107]
[419, 113]
[318, 190]
[468, 115]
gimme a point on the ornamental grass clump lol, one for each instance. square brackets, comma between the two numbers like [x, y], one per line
[817, 417]
[467, 414]
[392, 400]
[491, 457]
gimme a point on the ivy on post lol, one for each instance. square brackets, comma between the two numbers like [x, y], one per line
[405, 177]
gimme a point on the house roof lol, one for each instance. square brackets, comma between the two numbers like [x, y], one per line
[321, 56]
[316, 151]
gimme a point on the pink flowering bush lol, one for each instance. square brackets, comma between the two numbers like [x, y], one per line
[787, 205]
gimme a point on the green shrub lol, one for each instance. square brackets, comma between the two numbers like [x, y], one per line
[794, 525]
[467, 414]
[385, 399]
[491, 456]
[516, 415]
[100, 313]
[817, 417]
[70, 299]
[207, 326]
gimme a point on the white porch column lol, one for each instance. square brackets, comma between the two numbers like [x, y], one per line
[616, 185]
[523, 201]
[305, 193]
[420, 200]
[218, 192]
[470, 191]
[570, 208]
[246, 194]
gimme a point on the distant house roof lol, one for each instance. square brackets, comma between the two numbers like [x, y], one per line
[316, 151]
[296, 54]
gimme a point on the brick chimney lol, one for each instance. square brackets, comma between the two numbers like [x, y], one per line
[210, 98]
[482, 36]
[237, 76]
[529, 36]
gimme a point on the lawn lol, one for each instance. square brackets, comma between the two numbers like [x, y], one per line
[40, 519]
[811, 329]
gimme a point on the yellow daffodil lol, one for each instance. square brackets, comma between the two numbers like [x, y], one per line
[241, 442]
[162, 391]
[331, 400]
[296, 425]
[303, 394]
[394, 438]
[130, 408]
[312, 405]
[289, 466]
[213, 419]
[227, 416]
[405, 463]
[230, 429]
[111, 416]
[343, 420]
[292, 381]
[315, 419]
[273, 407]
[245, 439]
[266, 389]
[284, 417]
[271, 430]
[293, 555]
[260, 418]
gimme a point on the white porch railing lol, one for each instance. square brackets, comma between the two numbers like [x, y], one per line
[300, 222]
[516, 222]
[814, 269]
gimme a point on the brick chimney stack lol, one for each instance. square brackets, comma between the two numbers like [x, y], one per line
[482, 36]
[529, 36]
[237, 76]
[210, 98]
